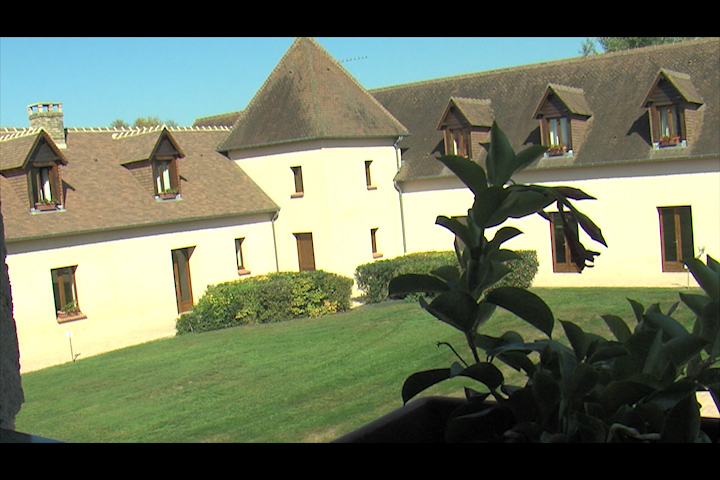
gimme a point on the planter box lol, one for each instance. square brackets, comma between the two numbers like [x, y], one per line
[423, 421]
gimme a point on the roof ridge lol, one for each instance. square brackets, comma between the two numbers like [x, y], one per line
[11, 133]
[578, 58]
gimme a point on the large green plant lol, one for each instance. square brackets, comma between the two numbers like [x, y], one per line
[587, 388]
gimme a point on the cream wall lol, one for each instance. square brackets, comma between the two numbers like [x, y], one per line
[337, 206]
[125, 283]
[625, 210]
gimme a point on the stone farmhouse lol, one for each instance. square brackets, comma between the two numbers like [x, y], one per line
[111, 233]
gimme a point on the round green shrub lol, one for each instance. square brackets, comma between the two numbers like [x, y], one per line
[268, 298]
[373, 278]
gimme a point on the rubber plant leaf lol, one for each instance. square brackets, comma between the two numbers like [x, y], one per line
[469, 172]
[414, 283]
[525, 305]
[417, 382]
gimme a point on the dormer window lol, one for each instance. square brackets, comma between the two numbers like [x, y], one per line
[166, 177]
[45, 187]
[559, 140]
[672, 104]
[465, 123]
[563, 113]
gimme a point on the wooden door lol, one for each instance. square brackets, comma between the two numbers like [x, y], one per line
[306, 252]
[183, 285]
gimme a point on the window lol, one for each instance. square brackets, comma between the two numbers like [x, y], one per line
[676, 237]
[374, 243]
[65, 292]
[368, 178]
[558, 141]
[45, 187]
[239, 257]
[562, 260]
[669, 125]
[306, 252]
[457, 142]
[166, 178]
[298, 179]
[181, 272]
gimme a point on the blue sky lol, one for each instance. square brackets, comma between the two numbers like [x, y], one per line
[99, 80]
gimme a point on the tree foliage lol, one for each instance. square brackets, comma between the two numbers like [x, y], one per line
[613, 44]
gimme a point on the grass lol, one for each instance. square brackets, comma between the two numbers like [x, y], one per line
[308, 380]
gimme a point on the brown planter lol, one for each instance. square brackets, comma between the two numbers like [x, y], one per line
[44, 207]
[423, 421]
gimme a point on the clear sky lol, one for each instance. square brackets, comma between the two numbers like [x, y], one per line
[99, 80]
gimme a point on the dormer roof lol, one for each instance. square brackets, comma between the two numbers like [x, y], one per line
[18, 148]
[142, 144]
[681, 82]
[475, 112]
[572, 97]
[308, 96]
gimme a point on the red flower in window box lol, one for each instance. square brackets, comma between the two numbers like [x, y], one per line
[669, 140]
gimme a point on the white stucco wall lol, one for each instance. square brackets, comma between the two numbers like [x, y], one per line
[125, 283]
[625, 210]
[336, 206]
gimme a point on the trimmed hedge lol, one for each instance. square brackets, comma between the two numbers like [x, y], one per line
[373, 278]
[268, 298]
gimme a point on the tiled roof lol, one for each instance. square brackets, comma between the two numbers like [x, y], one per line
[613, 86]
[309, 95]
[101, 194]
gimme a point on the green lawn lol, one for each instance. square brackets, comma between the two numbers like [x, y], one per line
[307, 380]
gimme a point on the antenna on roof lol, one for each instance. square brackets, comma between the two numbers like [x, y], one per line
[353, 59]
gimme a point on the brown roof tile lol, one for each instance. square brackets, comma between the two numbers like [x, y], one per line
[309, 95]
[613, 86]
[101, 194]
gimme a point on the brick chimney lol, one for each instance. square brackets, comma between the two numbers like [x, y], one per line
[49, 116]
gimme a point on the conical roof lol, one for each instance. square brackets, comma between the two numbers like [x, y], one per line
[309, 95]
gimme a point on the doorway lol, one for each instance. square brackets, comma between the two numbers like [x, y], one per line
[183, 285]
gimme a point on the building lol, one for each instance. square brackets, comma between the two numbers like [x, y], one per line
[112, 233]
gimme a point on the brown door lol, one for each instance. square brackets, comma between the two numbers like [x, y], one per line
[183, 286]
[306, 253]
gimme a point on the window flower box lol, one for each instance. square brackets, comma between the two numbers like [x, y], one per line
[557, 150]
[669, 141]
[46, 206]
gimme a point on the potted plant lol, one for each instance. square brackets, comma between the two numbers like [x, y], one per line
[639, 385]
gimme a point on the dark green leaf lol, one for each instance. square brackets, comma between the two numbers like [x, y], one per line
[487, 204]
[638, 309]
[706, 277]
[501, 157]
[618, 327]
[484, 312]
[669, 325]
[455, 308]
[527, 156]
[417, 382]
[682, 423]
[695, 302]
[713, 264]
[469, 172]
[502, 236]
[449, 273]
[416, 283]
[621, 393]
[574, 193]
[485, 373]
[458, 228]
[576, 336]
[680, 349]
[525, 305]
[582, 379]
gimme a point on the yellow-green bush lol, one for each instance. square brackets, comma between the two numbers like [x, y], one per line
[268, 298]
